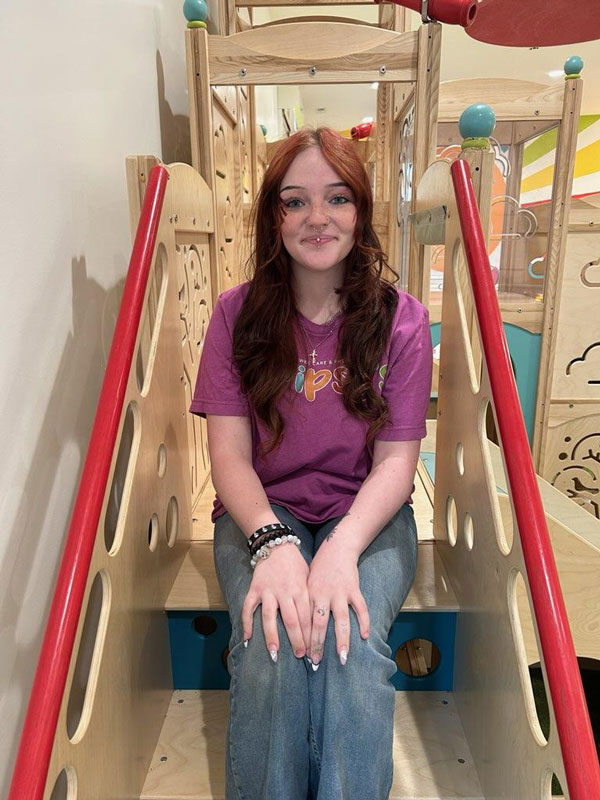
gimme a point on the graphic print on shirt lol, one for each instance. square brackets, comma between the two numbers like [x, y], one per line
[309, 381]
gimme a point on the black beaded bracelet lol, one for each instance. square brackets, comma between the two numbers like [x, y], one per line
[269, 537]
[272, 526]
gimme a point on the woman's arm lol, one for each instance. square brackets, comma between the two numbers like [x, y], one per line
[383, 492]
[233, 476]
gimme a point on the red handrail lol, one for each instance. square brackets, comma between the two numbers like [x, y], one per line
[568, 698]
[37, 736]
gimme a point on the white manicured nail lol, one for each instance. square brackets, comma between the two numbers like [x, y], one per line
[315, 666]
[245, 642]
[273, 654]
[343, 655]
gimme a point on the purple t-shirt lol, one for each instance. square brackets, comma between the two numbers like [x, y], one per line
[322, 460]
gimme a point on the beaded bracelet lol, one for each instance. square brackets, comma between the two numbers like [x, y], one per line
[268, 537]
[272, 526]
[265, 550]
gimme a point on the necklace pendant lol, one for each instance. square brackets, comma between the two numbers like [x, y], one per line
[314, 356]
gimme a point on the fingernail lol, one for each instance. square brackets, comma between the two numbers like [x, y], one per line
[315, 666]
[299, 653]
[245, 642]
[309, 659]
[273, 654]
[343, 655]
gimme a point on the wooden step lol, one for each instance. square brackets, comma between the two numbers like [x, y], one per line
[431, 756]
[196, 587]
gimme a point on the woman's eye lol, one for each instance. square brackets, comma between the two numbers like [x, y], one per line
[293, 202]
[340, 199]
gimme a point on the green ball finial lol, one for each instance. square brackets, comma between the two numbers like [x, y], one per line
[195, 10]
[573, 66]
[264, 130]
[477, 121]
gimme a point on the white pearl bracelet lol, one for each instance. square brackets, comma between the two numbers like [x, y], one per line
[265, 551]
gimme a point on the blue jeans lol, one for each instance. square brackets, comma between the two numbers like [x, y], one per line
[296, 734]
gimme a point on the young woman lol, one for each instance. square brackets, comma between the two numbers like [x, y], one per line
[314, 379]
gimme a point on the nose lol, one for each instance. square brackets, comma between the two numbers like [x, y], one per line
[317, 216]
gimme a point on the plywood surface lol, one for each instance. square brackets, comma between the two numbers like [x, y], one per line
[189, 761]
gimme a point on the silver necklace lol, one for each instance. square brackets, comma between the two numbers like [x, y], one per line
[313, 354]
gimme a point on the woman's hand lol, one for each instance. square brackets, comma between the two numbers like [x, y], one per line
[279, 581]
[333, 585]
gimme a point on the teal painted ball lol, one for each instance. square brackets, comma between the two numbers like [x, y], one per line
[573, 65]
[477, 120]
[264, 129]
[195, 10]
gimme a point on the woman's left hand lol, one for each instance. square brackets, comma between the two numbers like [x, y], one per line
[333, 586]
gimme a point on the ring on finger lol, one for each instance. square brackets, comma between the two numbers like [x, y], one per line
[322, 610]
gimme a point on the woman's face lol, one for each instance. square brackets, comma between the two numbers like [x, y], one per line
[320, 213]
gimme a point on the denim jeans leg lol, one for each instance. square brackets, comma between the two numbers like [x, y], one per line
[352, 706]
[267, 734]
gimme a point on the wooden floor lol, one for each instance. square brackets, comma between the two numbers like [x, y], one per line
[431, 757]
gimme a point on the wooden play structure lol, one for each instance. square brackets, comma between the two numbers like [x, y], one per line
[106, 719]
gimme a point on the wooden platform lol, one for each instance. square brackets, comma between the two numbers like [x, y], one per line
[431, 756]
[196, 587]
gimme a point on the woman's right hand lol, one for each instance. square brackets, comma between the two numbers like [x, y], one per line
[279, 581]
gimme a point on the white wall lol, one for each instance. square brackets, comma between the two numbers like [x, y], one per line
[84, 83]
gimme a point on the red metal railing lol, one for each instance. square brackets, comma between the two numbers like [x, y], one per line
[37, 737]
[568, 699]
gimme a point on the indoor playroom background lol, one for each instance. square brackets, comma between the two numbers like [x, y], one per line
[99, 82]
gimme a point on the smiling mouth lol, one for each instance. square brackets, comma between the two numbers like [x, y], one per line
[318, 240]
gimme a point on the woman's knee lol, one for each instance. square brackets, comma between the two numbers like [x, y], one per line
[256, 663]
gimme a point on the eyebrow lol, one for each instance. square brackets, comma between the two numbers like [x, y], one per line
[339, 183]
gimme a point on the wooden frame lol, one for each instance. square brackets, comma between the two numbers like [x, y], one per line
[120, 667]
[492, 688]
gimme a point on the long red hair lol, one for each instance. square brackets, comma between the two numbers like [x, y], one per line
[264, 342]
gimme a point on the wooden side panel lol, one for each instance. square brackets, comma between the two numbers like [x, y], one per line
[401, 191]
[228, 198]
[144, 529]
[484, 561]
[570, 457]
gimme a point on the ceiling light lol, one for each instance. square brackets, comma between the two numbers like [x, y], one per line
[367, 119]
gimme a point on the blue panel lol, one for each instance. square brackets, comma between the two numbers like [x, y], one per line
[437, 627]
[524, 348]
[197, 659]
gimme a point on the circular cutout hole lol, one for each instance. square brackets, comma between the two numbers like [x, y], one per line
[204, 625]
[460, 458]
[162, 460]
[153, 532]
[468, 530]
[451, 520]
[172, 521]
[417, 658]
[65, 787]
[551, 786]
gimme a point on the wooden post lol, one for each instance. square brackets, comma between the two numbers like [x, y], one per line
[425, 140]
[562, 186]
